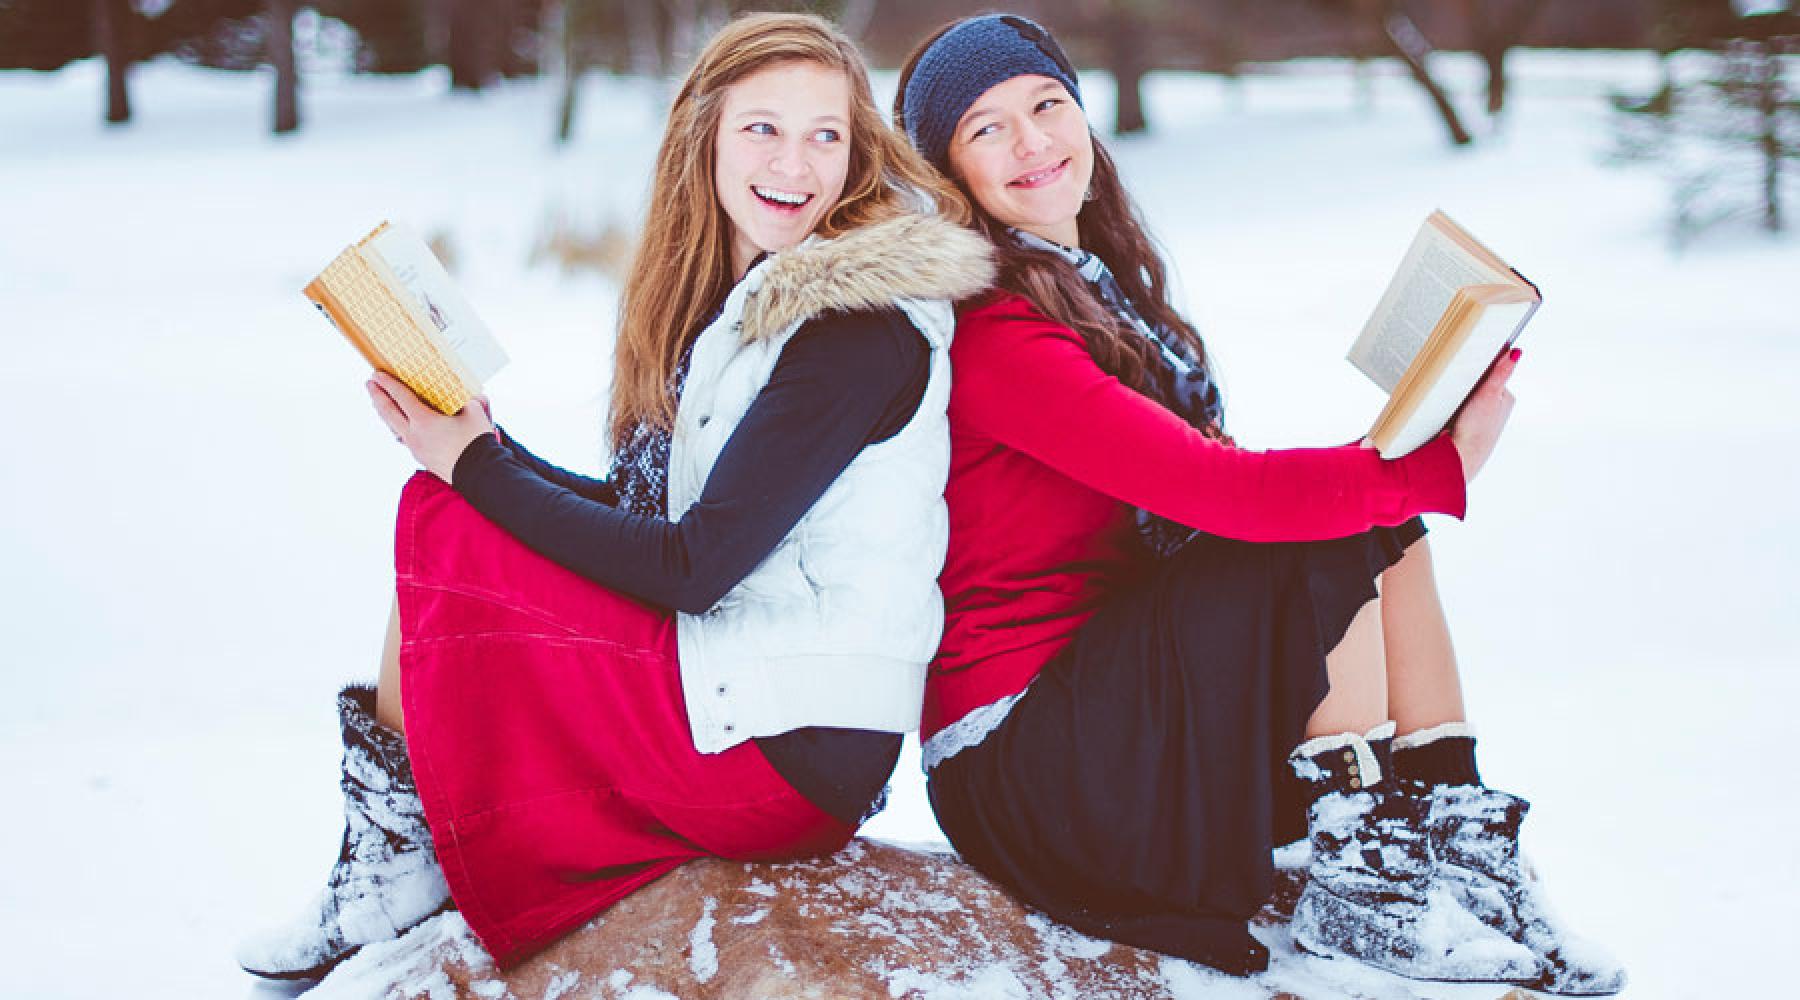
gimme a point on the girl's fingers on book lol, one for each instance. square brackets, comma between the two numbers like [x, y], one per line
[1499, 372]
[387, 409]
[398, 391]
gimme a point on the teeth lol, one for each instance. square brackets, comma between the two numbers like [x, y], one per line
[1040, 175]
[784, 197]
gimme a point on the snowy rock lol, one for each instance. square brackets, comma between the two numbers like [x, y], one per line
[873, 921]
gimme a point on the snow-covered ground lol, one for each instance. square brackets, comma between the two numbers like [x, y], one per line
[194, 527]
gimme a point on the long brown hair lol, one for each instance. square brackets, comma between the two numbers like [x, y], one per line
[681, 267]
[1112, 229]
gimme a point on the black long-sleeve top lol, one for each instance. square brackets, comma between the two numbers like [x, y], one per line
[842, 382]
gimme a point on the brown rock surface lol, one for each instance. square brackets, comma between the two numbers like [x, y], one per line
[872, 921]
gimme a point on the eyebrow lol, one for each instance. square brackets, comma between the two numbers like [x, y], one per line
[767, 113]
[985, 110]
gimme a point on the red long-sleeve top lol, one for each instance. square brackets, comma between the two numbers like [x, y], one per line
[1049, 456]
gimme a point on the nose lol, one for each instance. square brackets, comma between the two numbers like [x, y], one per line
[1031, 141]
[788, 159]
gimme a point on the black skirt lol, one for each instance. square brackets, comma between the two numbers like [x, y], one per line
[1137, 790]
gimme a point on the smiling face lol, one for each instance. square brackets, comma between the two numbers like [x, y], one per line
[783, 150]
[1024, 152]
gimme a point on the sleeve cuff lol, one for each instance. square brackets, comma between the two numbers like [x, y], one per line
[475, 454]
[1434, 475]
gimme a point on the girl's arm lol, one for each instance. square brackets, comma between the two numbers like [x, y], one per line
[597, 490]
[842, 382]
[1030, 384]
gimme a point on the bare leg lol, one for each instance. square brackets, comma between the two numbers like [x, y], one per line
[1358, 701]
[1423, 687]
[387, 689]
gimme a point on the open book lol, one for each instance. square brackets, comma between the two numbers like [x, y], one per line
[393, 300]
[1447, 314]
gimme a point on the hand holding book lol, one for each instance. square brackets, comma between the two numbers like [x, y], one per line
[435, 439]
[1476, 427]
[1450, 310]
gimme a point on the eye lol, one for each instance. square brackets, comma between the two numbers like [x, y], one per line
[826, 135]
[760, 128]
[986, 130]
[1047, 103]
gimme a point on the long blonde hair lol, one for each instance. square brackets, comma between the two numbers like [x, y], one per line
[682, 265]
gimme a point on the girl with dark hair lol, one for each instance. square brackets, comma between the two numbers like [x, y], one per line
[714, 650]
[1166, 655]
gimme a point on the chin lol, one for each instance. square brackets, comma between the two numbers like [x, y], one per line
[1046, 215]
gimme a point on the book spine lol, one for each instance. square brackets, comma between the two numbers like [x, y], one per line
[334, 310]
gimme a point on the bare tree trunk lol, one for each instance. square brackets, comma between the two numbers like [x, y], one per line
[572, 68]
[1769, 92]
[287, 73]
[437, 17]
[112, 23]
[1493, 35]
[1413, 48]
[1495, 59]
[1125, 45]
[472, 46]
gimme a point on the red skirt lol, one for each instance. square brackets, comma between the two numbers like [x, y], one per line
[549, 738]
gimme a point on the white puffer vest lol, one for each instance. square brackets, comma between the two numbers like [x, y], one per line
[837, 625]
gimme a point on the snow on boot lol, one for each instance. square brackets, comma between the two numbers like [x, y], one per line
[1371, 892]
[386, 878]
[1475, 836]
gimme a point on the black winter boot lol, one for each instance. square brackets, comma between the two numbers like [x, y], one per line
[386, 878]
[1475, 836]
[1372, 893]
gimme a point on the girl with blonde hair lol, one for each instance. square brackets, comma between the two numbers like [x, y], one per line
[715, 649]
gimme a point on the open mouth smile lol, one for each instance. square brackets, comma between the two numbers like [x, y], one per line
[781, 201]
[1039, 178]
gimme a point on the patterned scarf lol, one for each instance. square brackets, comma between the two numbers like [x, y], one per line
[1181, 383]
[640, 468]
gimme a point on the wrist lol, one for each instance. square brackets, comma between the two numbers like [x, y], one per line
[470, 456]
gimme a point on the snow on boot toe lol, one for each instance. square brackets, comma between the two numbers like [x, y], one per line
[1475, 836]
[1372, 895]
[376, 903]
[1433, 939]
[386, 878]
[1580, 968]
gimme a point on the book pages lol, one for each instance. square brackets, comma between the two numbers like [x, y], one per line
[1490, 328]
[445, 315]
[1430, 274]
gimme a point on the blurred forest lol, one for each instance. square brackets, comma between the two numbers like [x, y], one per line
[483, 42]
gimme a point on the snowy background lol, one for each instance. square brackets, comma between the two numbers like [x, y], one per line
[194, 526]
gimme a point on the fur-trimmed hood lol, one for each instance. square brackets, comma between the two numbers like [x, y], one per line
[910, 257]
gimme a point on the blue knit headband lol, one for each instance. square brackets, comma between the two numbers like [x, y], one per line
[963, 63]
